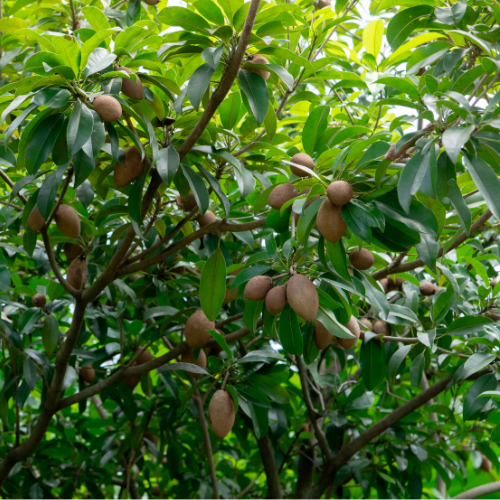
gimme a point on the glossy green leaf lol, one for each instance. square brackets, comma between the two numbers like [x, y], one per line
[213, 285]
[255, 89]
[289, 332]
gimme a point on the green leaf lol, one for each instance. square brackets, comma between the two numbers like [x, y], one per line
[372, 37]
[92, 44]
[401, 84]
[372, 361]
[80, 125]
[251, 314]
[135, 198]
[473, 403]
[289, 332]
[29, 372]
[475, 363]
[270, 388]
[229, 110]
[50, 334]
[495, 434]
[260, 419]
[188, 367]
[213, 285]
[96, 18]
[417, 369]
[306, 221]
[270, 123]
[411, 179]
[315, 125]
[337, 255]
[68, 49]
[52, 97]
[467, 325]
[180, 16]
[234, 395]
[214, 184]
[47, 195]
[167, 165]
[330, 321]
[211, 56]
[428, 250]
[247, 274]
[404, 22]
[397, 359]
[255, 89]
[222, 342]
[198, 187]
[198, 84]
[443, 304]
[35, 63]
[460, 206]
[454, 138]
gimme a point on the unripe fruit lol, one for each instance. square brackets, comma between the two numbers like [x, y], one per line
[196, 329]
[301, 159]
[35, 220]
[87, 373]
[427, 288]
[276, 299]
[67, 221]
[143, 357]
[330, 222]
[303, 297]
[281, 194]
[74, 276]
[207, 218]
[339, 193]
[361, 259]
[486, 464]
[108, 108]
[130, 88]
[72, 251]
[367, 323]
[39, 300]
[353, 327]
[187, 204]
[256, 289]
[130, 168]
[322, 337]
[188, 357]
[381, 327]
[132, 380]
[221, 413]
[258, 59]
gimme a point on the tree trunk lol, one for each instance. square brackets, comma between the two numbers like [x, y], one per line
[267, 455]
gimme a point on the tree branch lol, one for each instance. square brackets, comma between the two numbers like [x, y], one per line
[480, 491]
[267, 455]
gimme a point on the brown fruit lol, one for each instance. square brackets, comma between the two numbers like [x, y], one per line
[72, 251]
[281, 194]
[276, 299]
[353, 327]
[151, 437]
[78, 25]
[74, 276]
[108, 108]
[381, 326]
[132, 380]
[130, 168]
[231, 294]
[188, 357]
[39, 300]
[321, 4]
[367, 323]
[301, 159]
[427, 288]
[385, 285]
[258, 59]
[87, 373]
[221, 413]
[207, 218]
[486, 464]
[302, 297]
[35, 220]
[330, 222]
[67, 221]
[322, 337]
[196, 329]
[395, 284]
[257, 288]
[493, 282]
[144, 357]
[130, 88]
[304, 428]
[187, 204]
[339, 193]
[361, 259]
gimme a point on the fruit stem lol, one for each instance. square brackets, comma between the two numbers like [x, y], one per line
[225, 380]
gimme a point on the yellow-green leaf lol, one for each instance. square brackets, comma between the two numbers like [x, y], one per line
[372, 37]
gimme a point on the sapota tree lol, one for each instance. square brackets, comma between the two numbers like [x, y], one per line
[249, 249]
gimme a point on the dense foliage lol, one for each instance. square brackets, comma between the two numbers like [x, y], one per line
[141, 149]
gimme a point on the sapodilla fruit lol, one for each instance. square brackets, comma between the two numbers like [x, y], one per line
[304, 428]
[87, 373]
[257, 288]
[188, 357]
[486, 464]
[367, 323]
[207, 218]
[339, 193]
[187, 204]
[426, 288]
[143, 357]
[353, 327]
[322, 4]
[258, 59]
[493, 282]
[132, 380]
[362, 259]
[196, 329]
[221, 413]
[395, 284]
[381, 327]
[281, 194]
[384, 282]
[322, 337]
[131, 89]
[72, 250]
[67, 221]
[151, 2]
[130, 168]
[303, 297]
[39, 300]
[301, 159]
[108, 108]
[74, 276]
[330, 222]
[35, 220]
[276, 299]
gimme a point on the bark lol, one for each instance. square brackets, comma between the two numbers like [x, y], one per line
[267, 455]
[480, 491]
[305, 471]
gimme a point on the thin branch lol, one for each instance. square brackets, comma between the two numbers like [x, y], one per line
[480, 491]
[7, 180]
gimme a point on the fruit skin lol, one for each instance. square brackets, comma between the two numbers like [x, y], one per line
[330, 222]
[427, 288]
[35, 220]
[132, 380]
[385, 285]
[74, 276]
[493, 282]
[67, 221]
[207, 218]
[304, 428]
[144, 357]
[339, 193]
[301, 159]
[131, 89]
[108, 108]
[221, 413]
[353, 327]
[152, 2]
[72, 251]
[381, 327]
[130, 168]
[303, 297]
[258, 59]
[87, 373]
[281, 194]
[395, 285]
[257, 288]
[196, 329]
[187, 204]
[322, 337]
[367, 323]
[276, 299]
[188, 357]
[486, 464]
[321, 4]
[361, 259]
[39, 300]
